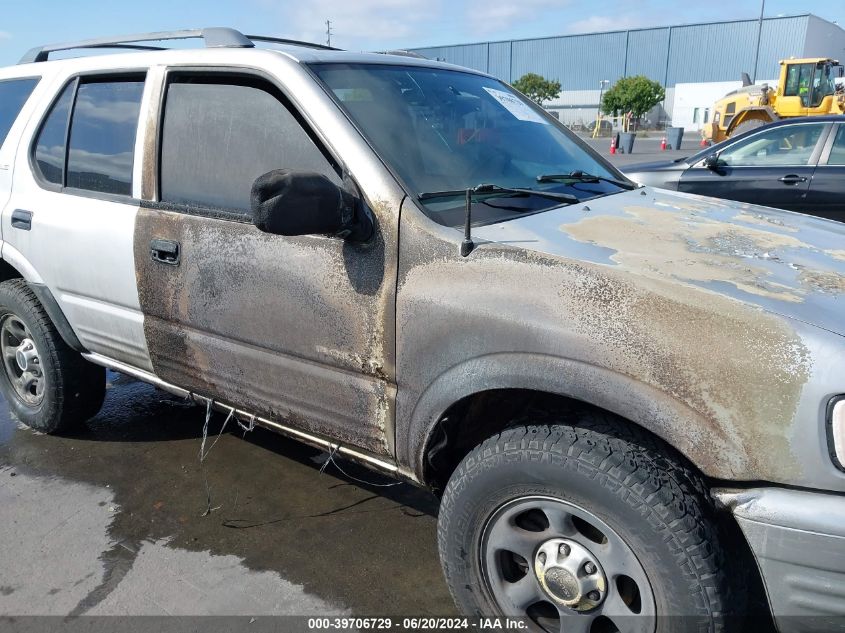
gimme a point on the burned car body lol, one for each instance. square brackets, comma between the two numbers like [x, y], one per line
[598, 337]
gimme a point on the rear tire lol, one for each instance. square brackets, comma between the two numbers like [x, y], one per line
[611, 497]
[747, 126]
[49, 386]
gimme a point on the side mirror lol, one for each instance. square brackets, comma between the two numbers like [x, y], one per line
[712, 162]
[287, 202]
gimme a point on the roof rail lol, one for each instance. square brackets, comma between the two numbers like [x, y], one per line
[214, 37]
[281, 40]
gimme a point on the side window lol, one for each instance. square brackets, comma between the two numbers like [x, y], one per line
[102, 136]
[13, 94]
[798, 82]
[785, 145]
[218, 137]
[97, 153]
[837, 153]
[50, 146]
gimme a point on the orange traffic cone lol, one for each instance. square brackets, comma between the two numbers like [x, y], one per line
[612, 145]
[663, 144]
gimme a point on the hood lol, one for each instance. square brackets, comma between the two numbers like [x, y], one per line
[786, 263]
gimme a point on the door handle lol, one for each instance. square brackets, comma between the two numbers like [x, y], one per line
[165, 252]
[22, 219]
[792, 179]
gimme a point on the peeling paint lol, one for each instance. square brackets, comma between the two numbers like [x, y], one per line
[693, 248]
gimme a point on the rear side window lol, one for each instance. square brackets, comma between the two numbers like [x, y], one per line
[97, 152]
[102, 136]
[220, 134]
[13, 94]
[50, 146]
[837, 153]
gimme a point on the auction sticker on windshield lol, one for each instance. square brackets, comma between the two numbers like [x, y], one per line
[515, 106]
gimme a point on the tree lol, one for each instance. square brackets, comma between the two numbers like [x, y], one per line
[636, 95]
[537, 88]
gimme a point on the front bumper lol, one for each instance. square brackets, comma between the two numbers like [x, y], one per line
[798, 539]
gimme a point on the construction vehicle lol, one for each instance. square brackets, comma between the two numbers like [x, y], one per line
[807, 87]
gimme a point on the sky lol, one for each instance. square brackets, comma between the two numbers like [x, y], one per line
[371, 24]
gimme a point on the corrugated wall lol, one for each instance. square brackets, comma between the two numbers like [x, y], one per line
[648, 50]
[719, 51]
[572, 60]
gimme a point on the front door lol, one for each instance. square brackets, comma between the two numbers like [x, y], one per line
[296, 329]
[772, 168]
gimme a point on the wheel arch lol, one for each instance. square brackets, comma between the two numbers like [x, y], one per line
[531, 380]
[12, 258]
[13, 265]
[761, 113]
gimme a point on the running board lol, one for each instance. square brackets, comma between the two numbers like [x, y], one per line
[385, 467]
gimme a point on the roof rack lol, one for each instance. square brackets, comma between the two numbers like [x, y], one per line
[282, 40]
[215, 37]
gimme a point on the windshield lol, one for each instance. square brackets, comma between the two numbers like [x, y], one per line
[446, 131]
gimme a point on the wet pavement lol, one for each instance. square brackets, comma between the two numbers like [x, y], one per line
[109, 520]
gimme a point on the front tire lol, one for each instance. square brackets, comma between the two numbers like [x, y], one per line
[49, 386]
[581, 525]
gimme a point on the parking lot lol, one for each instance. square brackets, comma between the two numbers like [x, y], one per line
[646, 149]
[112, 521]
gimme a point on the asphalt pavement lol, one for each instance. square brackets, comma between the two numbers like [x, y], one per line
[646, 149]
[121, 518]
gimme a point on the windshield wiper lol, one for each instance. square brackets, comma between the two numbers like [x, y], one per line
[581, 176]
[488, 188]
[467, 246]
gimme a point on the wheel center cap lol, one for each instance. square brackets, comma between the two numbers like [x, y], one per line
[562, 584]
[24, 354]
[570, 574]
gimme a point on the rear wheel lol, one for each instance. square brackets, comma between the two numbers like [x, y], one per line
[577, 528]
[747, 126]
[49, 386]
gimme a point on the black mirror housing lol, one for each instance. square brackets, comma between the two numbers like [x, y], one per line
[288, 202]
[712, 162]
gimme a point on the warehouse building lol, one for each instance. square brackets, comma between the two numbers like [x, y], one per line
[696, 63]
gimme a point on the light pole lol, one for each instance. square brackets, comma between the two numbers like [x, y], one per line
[759, 35]
[602, 84]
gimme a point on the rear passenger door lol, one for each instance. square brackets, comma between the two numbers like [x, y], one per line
[13, 95]
[295, 329]
[827, 191]
[73, 207]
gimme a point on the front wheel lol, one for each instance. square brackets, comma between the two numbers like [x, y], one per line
[583, 528]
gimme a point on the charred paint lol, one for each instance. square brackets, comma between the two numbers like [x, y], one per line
[290, 328]
[722, 374]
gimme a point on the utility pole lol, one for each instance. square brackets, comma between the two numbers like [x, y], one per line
[328, 32]
[759, 36]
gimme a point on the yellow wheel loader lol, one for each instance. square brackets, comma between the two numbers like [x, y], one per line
[807, 87]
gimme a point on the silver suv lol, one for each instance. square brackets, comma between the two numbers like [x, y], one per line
[625, 396]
